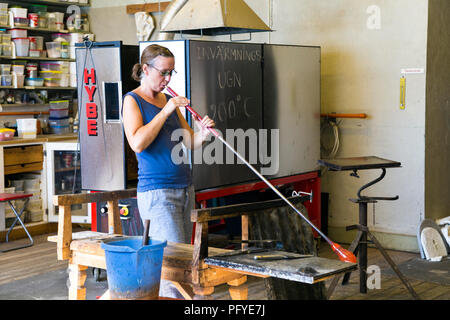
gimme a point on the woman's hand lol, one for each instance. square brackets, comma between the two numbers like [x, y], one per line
[173, 103]
[203, 126]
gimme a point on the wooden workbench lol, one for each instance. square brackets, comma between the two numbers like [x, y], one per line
[194, 269]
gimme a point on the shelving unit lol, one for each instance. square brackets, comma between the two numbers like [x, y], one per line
[54, 173]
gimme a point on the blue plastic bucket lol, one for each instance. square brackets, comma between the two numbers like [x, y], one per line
[133, 270]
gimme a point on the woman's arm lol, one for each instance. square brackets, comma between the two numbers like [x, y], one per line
[194, 140]
[139, 136]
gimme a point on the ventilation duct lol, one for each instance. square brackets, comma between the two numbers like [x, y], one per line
[215, 17]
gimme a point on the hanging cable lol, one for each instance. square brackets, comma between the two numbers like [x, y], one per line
[329, 127]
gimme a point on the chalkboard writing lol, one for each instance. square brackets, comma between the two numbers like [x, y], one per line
[226, 84]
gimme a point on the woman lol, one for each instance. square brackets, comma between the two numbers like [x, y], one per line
[164, 192]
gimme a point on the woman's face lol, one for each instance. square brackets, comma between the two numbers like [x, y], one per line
[154, 73]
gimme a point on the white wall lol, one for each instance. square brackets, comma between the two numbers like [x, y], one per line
[360, 73]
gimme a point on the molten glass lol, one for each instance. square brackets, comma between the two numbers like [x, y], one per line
[344, 255]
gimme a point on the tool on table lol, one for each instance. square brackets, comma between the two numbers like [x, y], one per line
[275, 244]
[281, 256]
[344, 255]
[245, 251]
[146, 230]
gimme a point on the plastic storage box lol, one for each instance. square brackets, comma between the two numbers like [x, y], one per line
[26, 128]
[18, 33]
[22, 46]
[59, 113]
[50, 66]
[50, 74]
[19, 12]
[6, 134]
[53, 49]
[65, 80]
[18, 69]
[7, 50]
[59, 104]
[58, 122]
[59, 129]
[52, 82]
[5, 68]
[59, 109]
[6, 38]
[3, 18]
[34, 82]
[6, 80]
[21, 22]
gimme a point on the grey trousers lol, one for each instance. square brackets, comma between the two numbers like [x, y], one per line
[169, 211]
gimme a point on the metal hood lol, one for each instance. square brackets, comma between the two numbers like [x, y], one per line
[215, 17]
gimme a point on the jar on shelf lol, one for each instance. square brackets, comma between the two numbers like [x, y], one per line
[33, 19]
[43, 20]
[51, 21]
[65, 50]
[59, 16]
[4, 18]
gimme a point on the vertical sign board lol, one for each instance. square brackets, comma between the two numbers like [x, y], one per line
[101, 132]
[225, 84]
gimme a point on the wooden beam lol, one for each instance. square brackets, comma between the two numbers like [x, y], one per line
[69, 199]
[64, 233]
[147, 7]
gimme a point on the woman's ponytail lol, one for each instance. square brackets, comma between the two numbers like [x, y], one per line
[136, 74]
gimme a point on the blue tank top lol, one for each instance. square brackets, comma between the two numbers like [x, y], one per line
[156, 170]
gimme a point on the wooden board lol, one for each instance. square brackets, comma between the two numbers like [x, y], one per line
[147, 7]
[300, 269]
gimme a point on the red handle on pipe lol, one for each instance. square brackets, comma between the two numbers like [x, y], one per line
[193, 112]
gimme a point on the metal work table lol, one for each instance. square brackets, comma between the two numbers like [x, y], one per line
[359, 244]
[284, 265]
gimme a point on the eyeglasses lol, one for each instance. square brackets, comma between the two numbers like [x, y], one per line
[164, 73]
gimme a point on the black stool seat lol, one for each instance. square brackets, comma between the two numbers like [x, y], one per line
[359, 244]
